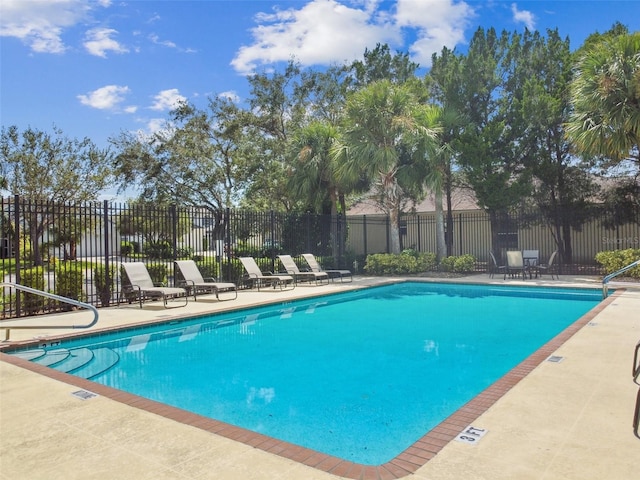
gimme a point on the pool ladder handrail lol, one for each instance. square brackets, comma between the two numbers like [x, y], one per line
[636, 373]
[53, 296]
[607, 279]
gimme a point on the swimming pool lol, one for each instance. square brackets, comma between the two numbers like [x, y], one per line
[360, 376]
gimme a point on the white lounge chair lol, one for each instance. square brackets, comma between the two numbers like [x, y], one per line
[333, 274]
[259, 278]
[293, 270]
[515, 264]
[139, 282]
[194, 282]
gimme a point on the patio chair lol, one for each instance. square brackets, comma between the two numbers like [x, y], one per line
[333, 274]
[293, 270]
[259, 278]
[139, 282]
[515, 265]
[193, 281]
[548, 267]
[494, 267]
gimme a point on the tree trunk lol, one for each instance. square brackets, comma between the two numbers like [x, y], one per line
[441, 247]
[394, 220]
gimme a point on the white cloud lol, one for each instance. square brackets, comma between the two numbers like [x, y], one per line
[41, 23]
[167, 100]
[165, 43]
[438, 23]
[524, 16]
[321, 32]
[108, 97]
[98, 42]
[231, 95]
[156, 125]
[328, 31]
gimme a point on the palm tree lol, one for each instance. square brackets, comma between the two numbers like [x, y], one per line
[313, 175]
[606, 99]
[385, 141]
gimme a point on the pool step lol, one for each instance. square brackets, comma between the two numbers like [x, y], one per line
[52, 357]
[78, 357]
[30, 354]
[102, 360]
[81, 362]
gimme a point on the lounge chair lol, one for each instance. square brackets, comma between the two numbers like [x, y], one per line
[293, 270]
[193, 281]
[515, 264]
[333, 274]
[139, 281]
[494, 267]
[259, 278]
[548, 267]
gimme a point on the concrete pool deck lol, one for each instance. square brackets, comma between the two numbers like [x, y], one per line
[564, 420]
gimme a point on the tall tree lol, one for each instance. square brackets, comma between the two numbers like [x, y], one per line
[380, 64]
[278, 105]
[312, 176]
[562, 188]
[606, 100]
[51, 169]
[476, 87]
[201, 158]
[445, 87]
[383, 140]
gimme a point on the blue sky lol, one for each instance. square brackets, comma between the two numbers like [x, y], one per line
[96, 68]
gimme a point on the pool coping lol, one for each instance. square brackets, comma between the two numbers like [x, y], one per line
[406, 463]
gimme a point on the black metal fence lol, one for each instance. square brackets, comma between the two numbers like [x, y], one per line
[75, 250]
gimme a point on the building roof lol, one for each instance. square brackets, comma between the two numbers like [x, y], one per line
[462, 200]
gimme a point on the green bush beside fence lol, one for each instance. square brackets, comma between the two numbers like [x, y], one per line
[614, 260]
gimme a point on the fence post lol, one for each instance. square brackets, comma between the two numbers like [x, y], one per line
[272, 217]
[226, 250]
[364, 234]
[17, 253]
[174, 230]
[460, 233]
[107, 263]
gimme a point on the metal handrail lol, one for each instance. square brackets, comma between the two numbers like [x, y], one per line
[636, 416]
[635, 371]
[607, 279]
[77, 303]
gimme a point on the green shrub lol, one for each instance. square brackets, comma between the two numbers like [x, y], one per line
[458, 264]
[104, 288]
[243, 249]
[161, 250]
[69, 281]
[209, 269]
[447, 264]
[614, 260]
[236, 270]
[427, 262]
[464, 263]
[405, 263]
[158, 273]
[129, 248]
[184, 252]
[32, 303]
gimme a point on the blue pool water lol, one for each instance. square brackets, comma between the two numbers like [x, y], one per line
[358, 375]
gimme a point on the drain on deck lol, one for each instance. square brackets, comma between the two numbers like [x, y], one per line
[84, 394]
[555, 359]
